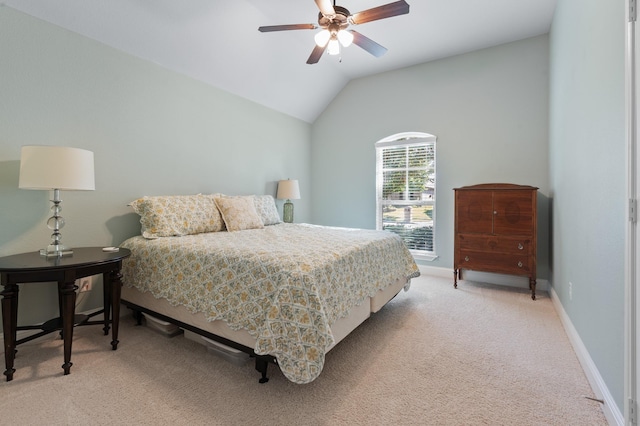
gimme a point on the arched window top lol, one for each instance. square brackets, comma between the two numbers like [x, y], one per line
[405, 138]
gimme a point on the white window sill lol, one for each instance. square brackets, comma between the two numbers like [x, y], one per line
[419, 255]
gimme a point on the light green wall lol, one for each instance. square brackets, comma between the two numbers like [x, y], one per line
[152, 132]
[488, 109]
[156, 132]
[588, 178]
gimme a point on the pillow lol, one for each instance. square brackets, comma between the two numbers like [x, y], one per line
[239, 213]
[266, 208]
[176, 215]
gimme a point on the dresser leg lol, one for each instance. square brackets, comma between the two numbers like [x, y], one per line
[455, 278]
[532, 286]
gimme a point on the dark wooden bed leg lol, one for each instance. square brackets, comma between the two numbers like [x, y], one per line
[138, 316]
[262, 363]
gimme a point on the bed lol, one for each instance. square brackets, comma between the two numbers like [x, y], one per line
[285, 293]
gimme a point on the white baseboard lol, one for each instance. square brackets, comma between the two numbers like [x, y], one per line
[611, 411]
[436, 271]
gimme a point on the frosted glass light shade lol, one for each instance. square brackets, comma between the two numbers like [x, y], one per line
[322, 38]
[334, 47]
[345, 37]
[56, 167]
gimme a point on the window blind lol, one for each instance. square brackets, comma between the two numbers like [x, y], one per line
[406, 178]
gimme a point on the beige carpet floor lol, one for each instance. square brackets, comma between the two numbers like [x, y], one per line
[478, 355]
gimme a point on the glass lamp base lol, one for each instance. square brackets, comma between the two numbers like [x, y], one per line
[287, 212]
[56, 251]
[55, 223]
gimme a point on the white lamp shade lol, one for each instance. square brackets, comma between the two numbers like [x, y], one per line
[288, 190]
[56, 167]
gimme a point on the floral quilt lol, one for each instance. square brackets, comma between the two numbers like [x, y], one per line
[285, 284]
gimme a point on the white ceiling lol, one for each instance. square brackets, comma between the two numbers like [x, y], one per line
[218, 42]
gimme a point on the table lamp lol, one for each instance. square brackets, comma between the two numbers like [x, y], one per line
[288, 190]
[56, 168]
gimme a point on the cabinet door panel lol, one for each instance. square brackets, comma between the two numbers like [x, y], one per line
[474, 212]
[513, 212]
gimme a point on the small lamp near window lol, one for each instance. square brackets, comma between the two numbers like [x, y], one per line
[288, 190]
[56, 168]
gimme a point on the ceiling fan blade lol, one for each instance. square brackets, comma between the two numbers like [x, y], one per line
[367, 44]
[386, 11]
[326, 8]
[316, 54]
[270, 28]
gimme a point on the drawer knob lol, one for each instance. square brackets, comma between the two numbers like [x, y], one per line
[520, 246]
[466, 258]
[519, 264]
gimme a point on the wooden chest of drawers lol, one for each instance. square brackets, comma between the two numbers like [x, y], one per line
[495, 230]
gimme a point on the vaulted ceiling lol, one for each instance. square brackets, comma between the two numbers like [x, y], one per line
[218, 42]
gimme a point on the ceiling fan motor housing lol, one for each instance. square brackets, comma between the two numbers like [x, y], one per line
[340, 20]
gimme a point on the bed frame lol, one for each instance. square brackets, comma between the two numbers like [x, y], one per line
[240, 340]
[262, 361]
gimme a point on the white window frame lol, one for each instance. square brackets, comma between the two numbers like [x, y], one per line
[403, 140]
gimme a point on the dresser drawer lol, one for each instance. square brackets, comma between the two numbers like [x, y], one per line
[494, 262]
[494, 244]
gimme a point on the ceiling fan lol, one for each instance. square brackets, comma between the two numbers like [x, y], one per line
[334, 21]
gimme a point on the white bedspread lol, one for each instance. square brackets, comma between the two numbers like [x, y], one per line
[285, 284]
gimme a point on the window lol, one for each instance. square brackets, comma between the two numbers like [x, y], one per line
[405, 190]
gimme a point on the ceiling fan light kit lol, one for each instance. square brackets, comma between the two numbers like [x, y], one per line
[334, 21]
[333, 39]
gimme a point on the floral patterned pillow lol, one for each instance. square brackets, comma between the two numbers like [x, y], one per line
[239, 213]
[266, 208]
[176, 215]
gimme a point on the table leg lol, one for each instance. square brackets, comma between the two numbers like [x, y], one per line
[60, 312]
[67, 291]
[115, 279]
[9, 326]
[106, 297]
